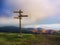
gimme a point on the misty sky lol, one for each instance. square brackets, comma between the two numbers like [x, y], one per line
[39, 11]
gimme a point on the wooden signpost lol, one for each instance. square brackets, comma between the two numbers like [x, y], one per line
[20, 17]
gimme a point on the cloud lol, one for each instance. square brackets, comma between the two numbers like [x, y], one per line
[8, 22]
[36, 9]
[11, 21]
[45, 26]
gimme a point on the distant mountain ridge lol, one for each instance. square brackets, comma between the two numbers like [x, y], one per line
[9, 29]
[14, 29]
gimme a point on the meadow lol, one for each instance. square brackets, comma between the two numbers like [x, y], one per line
[29, 39]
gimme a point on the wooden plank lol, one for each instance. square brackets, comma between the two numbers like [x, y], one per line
[24, 15]
[18, 11]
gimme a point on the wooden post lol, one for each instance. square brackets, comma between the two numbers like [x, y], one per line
[20, 17]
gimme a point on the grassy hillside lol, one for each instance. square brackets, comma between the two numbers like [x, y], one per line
[28, 39]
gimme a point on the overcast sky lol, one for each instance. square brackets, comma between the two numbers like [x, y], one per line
[39, 12]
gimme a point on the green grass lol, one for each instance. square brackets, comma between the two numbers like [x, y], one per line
[28, 39]
[13, 39]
